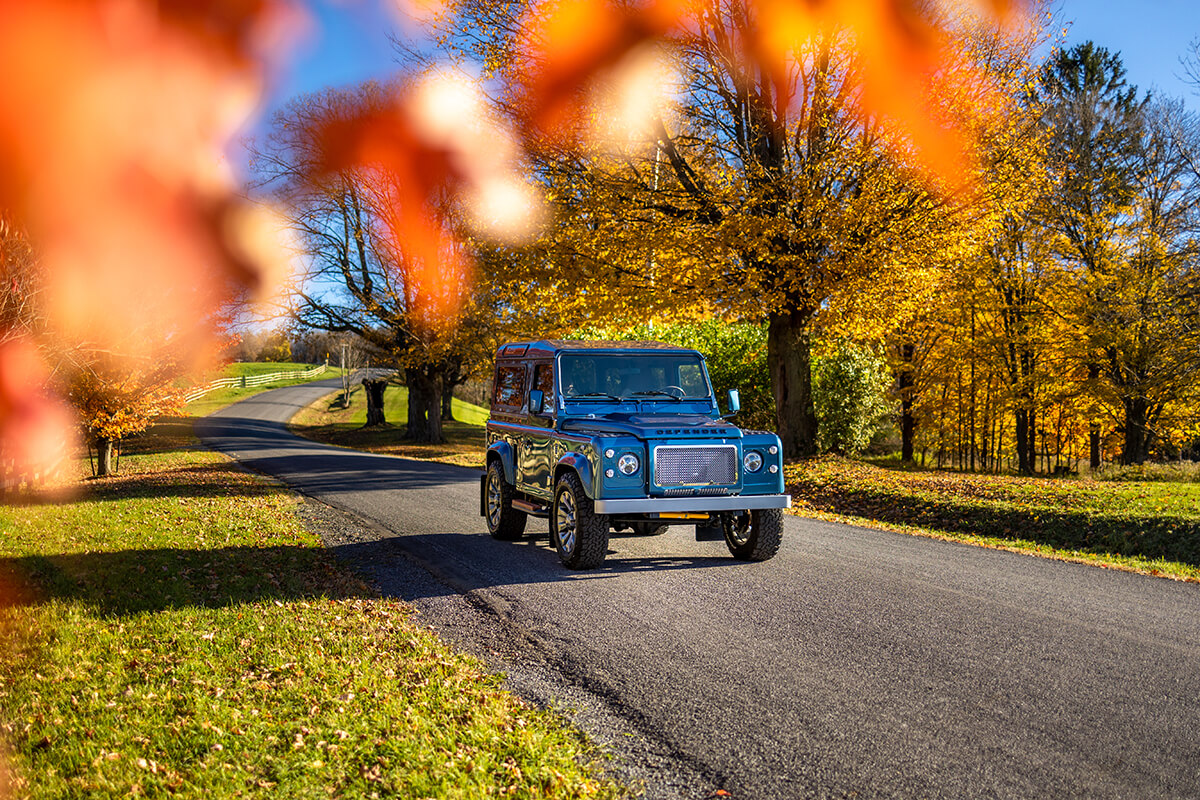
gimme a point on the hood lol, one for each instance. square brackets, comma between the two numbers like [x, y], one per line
[650, 426]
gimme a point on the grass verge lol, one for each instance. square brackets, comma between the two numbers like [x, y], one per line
[1148, 527]
[328, 421]
[175, 630]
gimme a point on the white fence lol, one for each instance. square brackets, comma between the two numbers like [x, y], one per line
[255, 380]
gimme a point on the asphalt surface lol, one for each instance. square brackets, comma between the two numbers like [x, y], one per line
[856, 663]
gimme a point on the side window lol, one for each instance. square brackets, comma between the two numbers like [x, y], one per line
[543, 378]
[510, 387]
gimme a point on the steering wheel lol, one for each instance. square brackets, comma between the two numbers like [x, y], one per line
[672, 389]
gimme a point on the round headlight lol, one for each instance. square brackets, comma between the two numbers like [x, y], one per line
[752, 461]
[628, 464]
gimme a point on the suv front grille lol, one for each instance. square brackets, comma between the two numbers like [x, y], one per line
[703, 491]
[695, 466]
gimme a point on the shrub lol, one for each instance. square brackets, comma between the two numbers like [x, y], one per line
[850, 395]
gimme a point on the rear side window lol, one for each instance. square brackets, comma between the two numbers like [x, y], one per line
[543, 378]
[510, 387]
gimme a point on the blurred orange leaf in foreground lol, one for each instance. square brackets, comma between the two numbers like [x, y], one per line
[575, 41]
[114, 120]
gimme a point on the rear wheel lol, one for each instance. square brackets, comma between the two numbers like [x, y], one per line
[503, 521]
[754, 535]
[578, 533]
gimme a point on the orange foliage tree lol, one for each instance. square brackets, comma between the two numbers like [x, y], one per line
[114, 392]
[115, 399]
[1070, 337]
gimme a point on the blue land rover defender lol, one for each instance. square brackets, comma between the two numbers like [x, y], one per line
[600, 436]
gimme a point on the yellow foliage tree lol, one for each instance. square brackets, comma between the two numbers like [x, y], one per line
[768, 191]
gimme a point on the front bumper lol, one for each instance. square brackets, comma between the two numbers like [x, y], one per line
[662, 505]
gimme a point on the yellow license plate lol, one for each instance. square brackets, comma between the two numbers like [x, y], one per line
[676, 515]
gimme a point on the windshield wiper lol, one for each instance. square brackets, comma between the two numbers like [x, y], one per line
[657, 393]
[594, 394]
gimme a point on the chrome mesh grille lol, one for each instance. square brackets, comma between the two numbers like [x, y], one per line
[695, 466]
[704, 491]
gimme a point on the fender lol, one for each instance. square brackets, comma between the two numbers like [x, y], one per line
[504, 452]
[582, 467]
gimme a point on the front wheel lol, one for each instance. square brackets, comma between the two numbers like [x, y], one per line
[503, 521]
[754, 535]
[578, 533]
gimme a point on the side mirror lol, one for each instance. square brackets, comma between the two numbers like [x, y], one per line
[537, 401]
[734, 401]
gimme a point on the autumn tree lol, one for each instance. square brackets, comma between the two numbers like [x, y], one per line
[114, 394]
[1075, 321]
[360, 275]
[1016, 271]
[117, 397]
[765, 189]
[1140, 308]
[906, 355]
[1125, 216]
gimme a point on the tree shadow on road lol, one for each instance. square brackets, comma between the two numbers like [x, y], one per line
[463, 562]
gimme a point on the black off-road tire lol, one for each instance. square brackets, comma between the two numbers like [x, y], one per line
[649, 529]
[578, 533]
[755, 536]
[504, 522]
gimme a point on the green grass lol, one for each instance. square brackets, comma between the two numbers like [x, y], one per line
[176, 631]
[1145, 526]
[220, 398]
[328, 421]
[395, 408]
[1173, 472]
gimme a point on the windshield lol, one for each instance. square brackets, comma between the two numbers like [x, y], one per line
[633, 376]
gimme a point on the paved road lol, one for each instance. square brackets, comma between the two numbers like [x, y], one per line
[854, 664]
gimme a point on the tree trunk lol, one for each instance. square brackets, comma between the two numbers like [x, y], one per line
[104, 456]
[424, 405]
[1031, 441]
[1024, 434]
[1137, 440]
[374, 388]
[1093, 428]
[907, 382]
[789, 355]
[415, 422]
[447, 400]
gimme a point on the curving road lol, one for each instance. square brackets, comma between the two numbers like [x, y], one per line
[855, 664]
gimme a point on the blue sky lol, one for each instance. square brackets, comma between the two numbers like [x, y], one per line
[1151, 36]
[349, 43]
